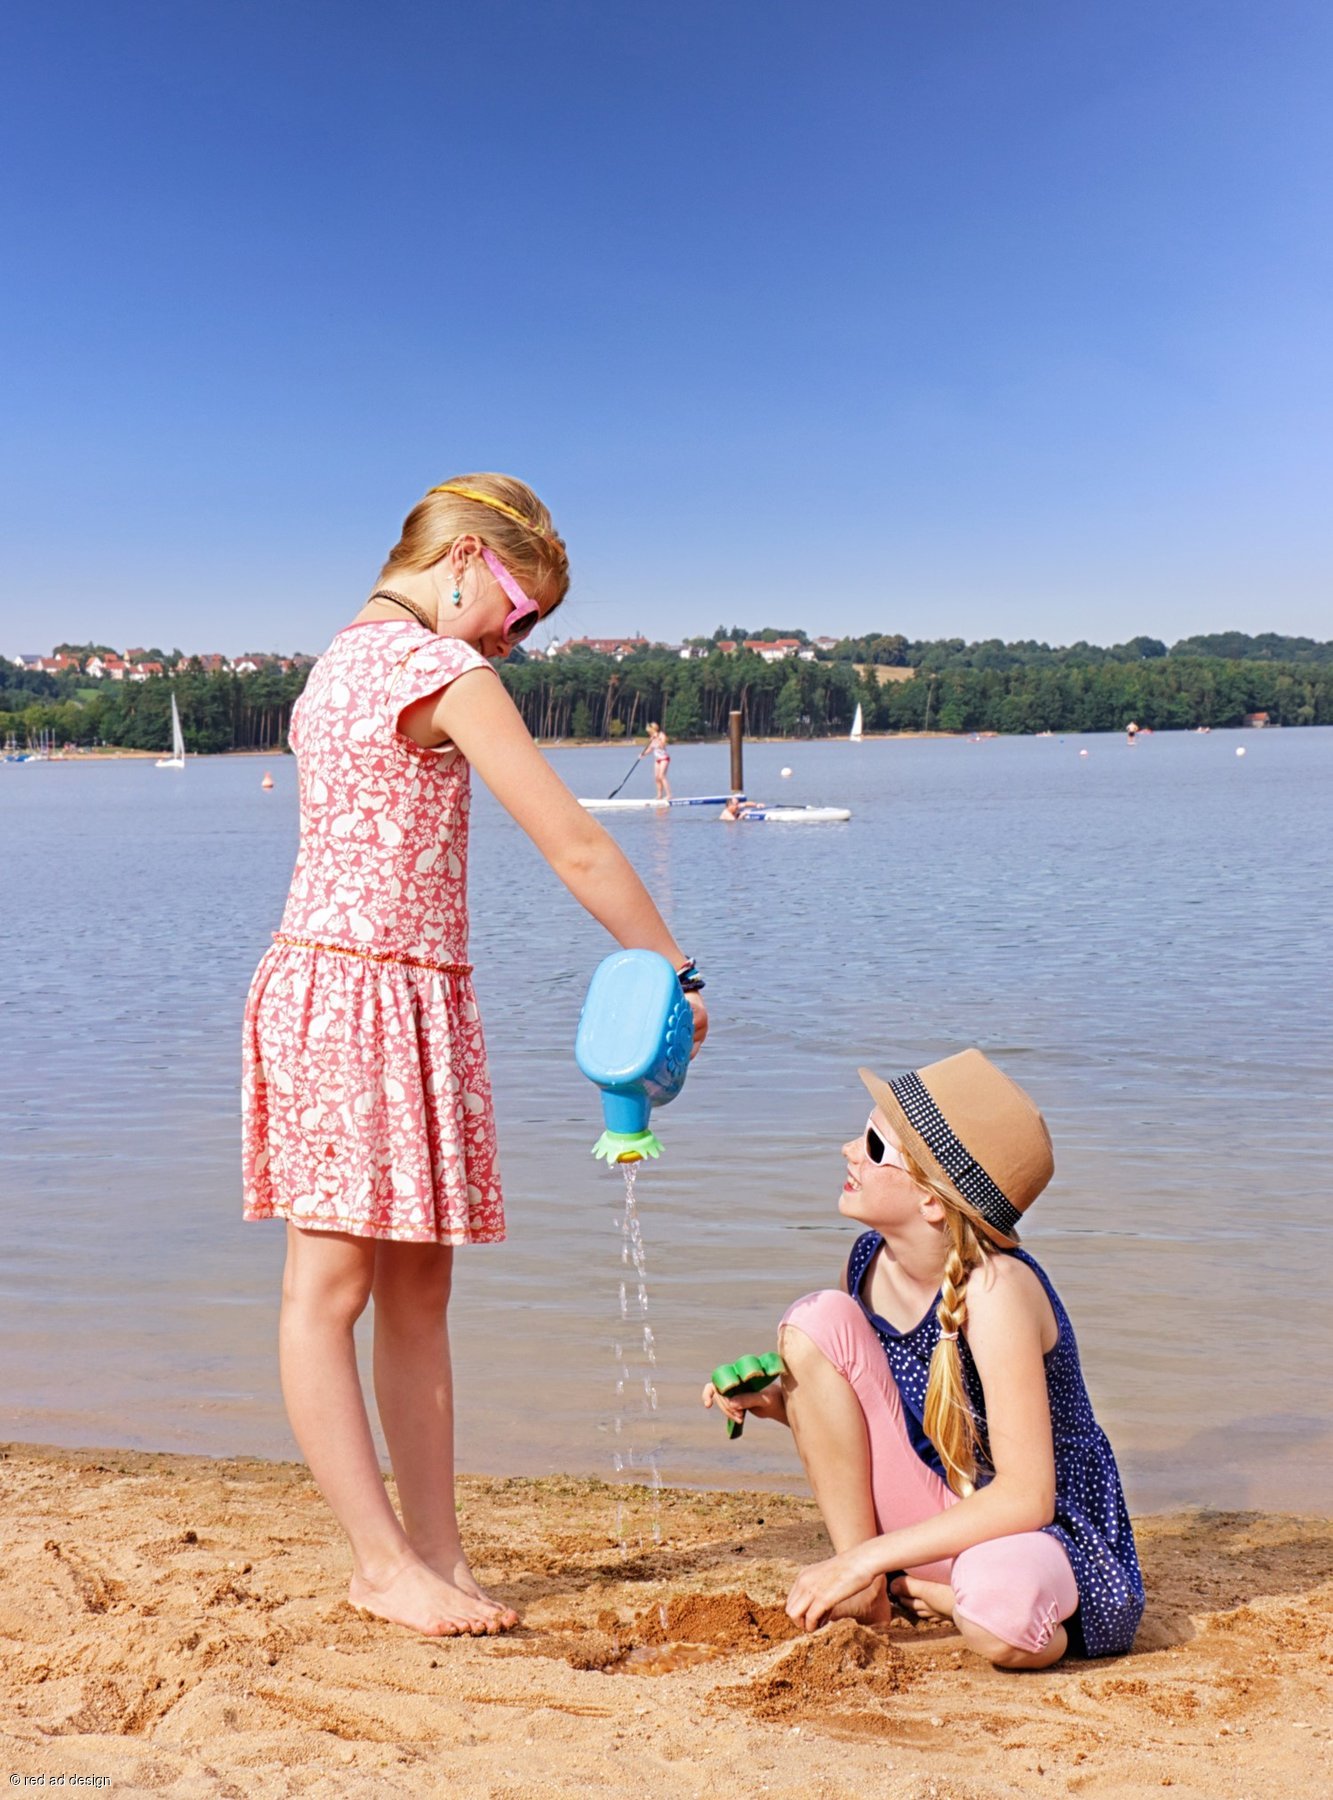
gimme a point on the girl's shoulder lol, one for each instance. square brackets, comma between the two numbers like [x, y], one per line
[397, 660]
[429, 662]
[1003, 1282]
[1007, 1292]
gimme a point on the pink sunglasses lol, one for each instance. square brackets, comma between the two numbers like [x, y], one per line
[526, 612]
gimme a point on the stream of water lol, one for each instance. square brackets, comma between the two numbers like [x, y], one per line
[637, 1454]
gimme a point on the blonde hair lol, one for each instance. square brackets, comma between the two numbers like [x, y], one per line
[947, 1415]
[500, 510]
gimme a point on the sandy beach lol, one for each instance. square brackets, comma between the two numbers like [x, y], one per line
[175, 1625]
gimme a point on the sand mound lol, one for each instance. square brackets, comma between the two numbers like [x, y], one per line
[661, 1638]
[843, 1668]
[733, 1620]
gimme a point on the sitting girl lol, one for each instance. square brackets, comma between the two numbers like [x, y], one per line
[937, 1399]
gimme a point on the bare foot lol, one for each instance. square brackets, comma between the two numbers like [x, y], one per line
[453, 1566]
[869, 1606]
[422, 1600]
[927, 1599]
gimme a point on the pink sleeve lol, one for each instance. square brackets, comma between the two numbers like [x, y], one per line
[428, 669]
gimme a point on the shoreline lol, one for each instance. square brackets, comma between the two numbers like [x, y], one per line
[112, 755]
[281, 750]
[709, 743]
[177, 1623]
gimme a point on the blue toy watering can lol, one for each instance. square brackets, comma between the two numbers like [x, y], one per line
[635, 1035]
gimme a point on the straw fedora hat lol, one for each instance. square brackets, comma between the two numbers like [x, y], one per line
[968, 1124]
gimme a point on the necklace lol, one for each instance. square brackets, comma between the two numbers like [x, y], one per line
[407, 606]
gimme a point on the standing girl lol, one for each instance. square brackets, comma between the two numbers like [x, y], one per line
[658, 743]
[368, 1123]
[937, 1399]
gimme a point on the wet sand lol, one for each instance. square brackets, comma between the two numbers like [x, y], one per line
[176, 1625]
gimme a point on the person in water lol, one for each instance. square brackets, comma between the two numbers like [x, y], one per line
[937, 1399]
[736, 808]
[658, 743]
[368, 1125]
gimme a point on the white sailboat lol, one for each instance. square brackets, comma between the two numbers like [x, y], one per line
[177, 758]
[857, 728]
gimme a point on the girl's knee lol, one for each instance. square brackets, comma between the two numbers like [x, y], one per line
[1011, 1596]
[825, 1324]
[413, 1278]
[327, 1278]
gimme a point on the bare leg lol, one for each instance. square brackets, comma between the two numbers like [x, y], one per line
[927, 1599]
[830, 1431]
[325, 1285]
[1007, 1656]
[415, 1394]
[935, 1600]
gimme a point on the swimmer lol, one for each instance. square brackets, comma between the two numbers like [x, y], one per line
[736, 808]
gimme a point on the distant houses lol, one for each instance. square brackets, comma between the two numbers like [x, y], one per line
[619, 648]
[770, 649]
[780, 649]
[138, 665]
[47, 665]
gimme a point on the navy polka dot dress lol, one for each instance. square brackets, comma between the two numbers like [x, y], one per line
[1091, 1519]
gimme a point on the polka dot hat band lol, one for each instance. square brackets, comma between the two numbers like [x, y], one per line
[967, 1123]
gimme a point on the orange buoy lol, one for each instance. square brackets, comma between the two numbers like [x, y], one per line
[267, 782]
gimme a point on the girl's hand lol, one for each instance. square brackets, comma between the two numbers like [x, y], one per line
[768, 1403]
[700, 1012]
[818, 1589]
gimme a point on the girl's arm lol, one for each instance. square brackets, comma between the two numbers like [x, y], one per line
[768, 1403]
[1008, 1315]
[476, 713]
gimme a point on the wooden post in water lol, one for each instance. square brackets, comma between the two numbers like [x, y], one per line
[737, 754]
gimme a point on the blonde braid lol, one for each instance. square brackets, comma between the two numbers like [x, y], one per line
[947, 1415]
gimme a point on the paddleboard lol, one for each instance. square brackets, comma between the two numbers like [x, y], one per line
[655, 805]
[795, 815]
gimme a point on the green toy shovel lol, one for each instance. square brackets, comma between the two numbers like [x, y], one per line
[747, 1375]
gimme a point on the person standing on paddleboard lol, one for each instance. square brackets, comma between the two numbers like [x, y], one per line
[658, 743]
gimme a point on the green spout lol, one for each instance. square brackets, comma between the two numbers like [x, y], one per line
[626, 1146]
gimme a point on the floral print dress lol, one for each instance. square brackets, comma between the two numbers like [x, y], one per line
[366, 1098]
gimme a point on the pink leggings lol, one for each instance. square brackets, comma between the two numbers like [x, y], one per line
[1017, 1588]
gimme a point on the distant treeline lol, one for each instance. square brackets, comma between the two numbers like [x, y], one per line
[218, 712]
[586, 696]
[1024, 687]
[939, 654]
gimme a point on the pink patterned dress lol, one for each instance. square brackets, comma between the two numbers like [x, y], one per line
[366, 1097]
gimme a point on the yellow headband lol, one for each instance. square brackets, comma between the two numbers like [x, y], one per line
[467, 493]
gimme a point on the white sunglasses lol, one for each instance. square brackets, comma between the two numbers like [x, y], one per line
[882, 1153]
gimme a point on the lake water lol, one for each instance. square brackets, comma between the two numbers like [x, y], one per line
[1140, 935]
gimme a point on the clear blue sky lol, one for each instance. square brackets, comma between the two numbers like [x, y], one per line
[970, 319]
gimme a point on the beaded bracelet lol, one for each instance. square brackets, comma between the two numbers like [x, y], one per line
[691, 981]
